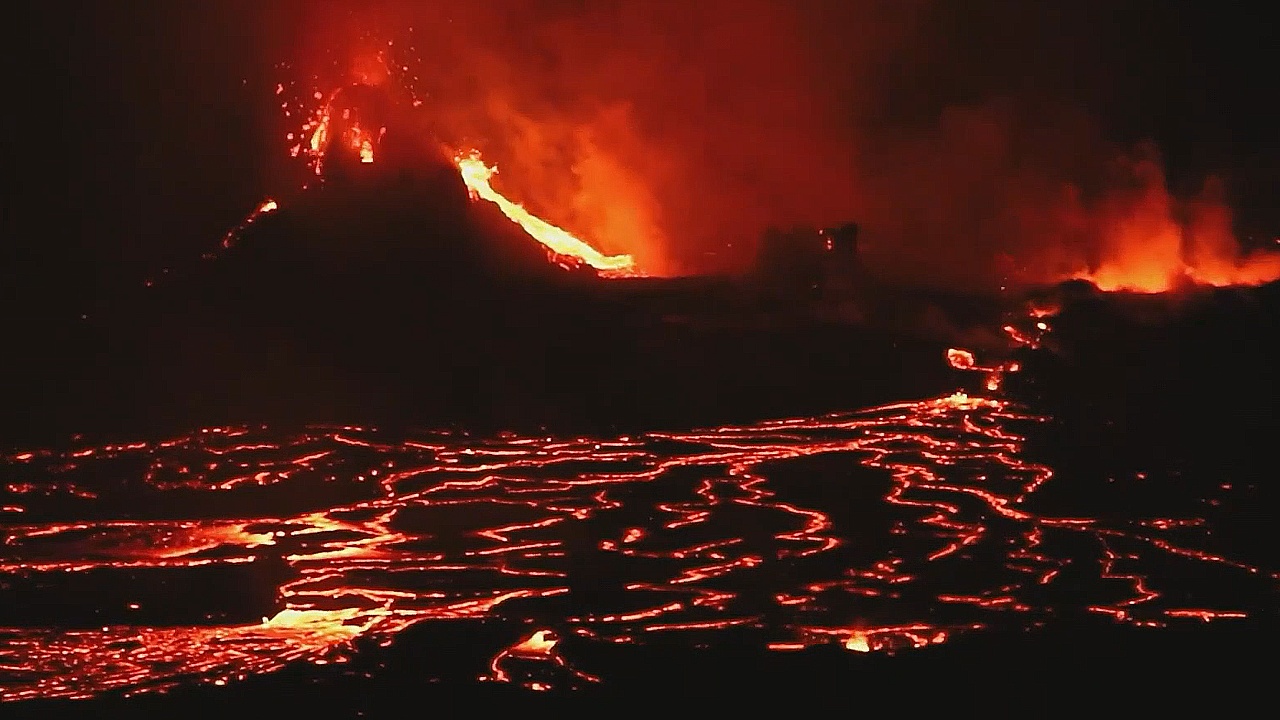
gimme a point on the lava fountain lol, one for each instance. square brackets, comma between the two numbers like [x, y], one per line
[340, 120]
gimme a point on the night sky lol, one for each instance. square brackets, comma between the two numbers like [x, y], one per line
[140, 131]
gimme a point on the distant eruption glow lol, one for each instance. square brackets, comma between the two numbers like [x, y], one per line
[1148, 248]
[1156, 265]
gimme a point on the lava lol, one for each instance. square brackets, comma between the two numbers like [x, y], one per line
[691, 535]
[560, 243]
[563, 247]
[1150, 279]
[535, 653]
[266, 206]
[964, 360]
[961, 359]
[338, 119]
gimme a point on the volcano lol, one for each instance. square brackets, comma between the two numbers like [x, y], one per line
[398, 286]
[389, 192]
[385, 292]
[395, 289]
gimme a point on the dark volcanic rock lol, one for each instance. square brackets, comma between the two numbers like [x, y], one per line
[389, 299]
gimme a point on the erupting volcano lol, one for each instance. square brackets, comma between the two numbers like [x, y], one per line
[351, 127]
[1146, 249]
[1134, 235]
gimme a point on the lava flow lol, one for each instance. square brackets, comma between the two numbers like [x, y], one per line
[324, 131]
[561, 244]
[880, 530]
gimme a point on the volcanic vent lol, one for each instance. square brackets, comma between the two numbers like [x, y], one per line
[383, 187]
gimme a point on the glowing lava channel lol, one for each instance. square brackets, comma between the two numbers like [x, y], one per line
[476, 174]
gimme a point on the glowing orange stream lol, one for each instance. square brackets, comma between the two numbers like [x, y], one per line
[476, 175]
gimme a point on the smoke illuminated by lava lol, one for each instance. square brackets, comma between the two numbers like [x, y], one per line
[678, 138]
[1145, 249]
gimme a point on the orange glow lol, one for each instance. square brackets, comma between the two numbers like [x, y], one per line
[361, 143]
[476, 175]
[953, 463]
[960, 359]
[321, 134]
[602, 125]
[535, 652]
[1147, 250]
[233, 235]
[994, 376]
[320, 138]
[857, 642]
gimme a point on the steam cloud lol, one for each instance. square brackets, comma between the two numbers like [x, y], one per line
[679, 131]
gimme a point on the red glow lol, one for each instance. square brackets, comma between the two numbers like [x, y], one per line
[1147, 250]
[602, 123]
[334, 126]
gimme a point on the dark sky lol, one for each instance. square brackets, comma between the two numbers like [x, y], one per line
[1190, 75]
[142, 130]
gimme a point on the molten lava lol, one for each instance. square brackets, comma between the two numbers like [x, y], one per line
[1149, 249]
[476, 174]
[961, 359]
[440, 529]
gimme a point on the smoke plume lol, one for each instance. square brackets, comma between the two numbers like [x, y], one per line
[680, 131]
